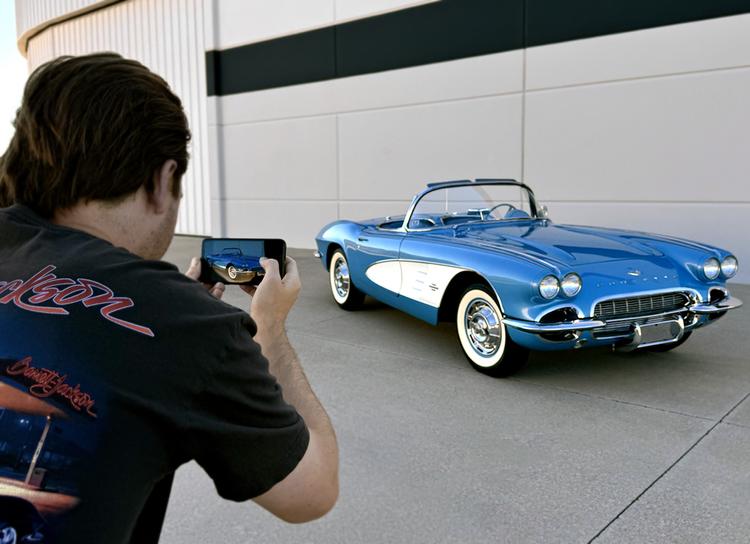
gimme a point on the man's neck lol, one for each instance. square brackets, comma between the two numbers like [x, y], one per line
[91, 218]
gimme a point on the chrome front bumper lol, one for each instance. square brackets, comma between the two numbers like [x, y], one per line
[593, 325]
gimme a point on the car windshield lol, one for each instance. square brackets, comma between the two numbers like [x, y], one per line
[468, 203]
[231, 251]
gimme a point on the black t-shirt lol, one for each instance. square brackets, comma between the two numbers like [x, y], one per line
[115, 370]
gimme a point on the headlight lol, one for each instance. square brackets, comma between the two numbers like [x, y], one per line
[711, 268]
[571, 284]
[549, 287]
[729, 266]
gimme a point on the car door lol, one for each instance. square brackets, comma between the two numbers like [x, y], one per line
[375, 246]
[427, 268]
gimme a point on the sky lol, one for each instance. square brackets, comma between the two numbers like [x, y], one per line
[14, 72]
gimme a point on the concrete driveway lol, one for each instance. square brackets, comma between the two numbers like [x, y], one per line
[579, 447]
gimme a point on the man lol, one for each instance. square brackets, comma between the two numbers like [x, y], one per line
[115, 369]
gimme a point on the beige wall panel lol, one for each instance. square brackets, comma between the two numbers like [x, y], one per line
[41, 49]
[391, 154]
[680, 138]
[167, 37]
[292, 159]
[689, 47]
[246, 21]
[32, 15]
[356, 9]
[722, 225]
[296, 222]
[357, 210]
[485, 75]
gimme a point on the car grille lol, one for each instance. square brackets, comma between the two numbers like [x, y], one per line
[638, 306]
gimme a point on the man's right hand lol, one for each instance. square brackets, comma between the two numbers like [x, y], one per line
[312, 488]
[274, 297]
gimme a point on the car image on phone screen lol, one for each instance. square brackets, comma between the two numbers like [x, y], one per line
[237, 260]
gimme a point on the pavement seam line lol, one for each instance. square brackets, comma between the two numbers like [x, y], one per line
[611, 399]
[670, 467]
[740, 425]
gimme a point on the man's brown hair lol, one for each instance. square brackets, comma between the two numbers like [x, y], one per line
[92, 127]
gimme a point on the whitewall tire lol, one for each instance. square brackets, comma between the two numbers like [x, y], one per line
[483, 335]
[344, 292]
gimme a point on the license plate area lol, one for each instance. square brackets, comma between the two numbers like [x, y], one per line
[663, 332]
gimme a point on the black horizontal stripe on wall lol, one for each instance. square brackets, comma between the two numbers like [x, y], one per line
[447, 30]
[555, 21]
[437, 32]
[299, 58]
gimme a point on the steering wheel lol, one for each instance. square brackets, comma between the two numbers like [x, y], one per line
[496, 206]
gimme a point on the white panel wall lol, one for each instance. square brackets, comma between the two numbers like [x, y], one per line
[364, 144]
[40, 49]
[356, 9]
[33, 15]
[168, 37]
[241, 22]
[644, 130]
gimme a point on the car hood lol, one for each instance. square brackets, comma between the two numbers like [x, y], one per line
[561, 245]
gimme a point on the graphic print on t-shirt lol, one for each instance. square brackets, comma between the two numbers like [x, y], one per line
[48, 424]
[46, 293]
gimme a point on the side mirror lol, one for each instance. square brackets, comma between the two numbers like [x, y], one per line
[542, 212]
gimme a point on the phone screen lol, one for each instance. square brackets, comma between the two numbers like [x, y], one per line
[237, 260]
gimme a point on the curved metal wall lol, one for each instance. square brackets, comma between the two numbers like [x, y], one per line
[165, 35]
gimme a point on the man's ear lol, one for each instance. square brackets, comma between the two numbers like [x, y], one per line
[163, 179]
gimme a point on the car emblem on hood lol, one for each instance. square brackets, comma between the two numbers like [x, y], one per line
[634, 272]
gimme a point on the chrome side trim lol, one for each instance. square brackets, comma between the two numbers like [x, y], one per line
[724, 305]
[563, 326]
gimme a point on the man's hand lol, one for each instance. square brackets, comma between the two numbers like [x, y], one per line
[274, 297]
[194, 272]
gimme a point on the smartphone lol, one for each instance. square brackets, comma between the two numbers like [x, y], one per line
[237, 260]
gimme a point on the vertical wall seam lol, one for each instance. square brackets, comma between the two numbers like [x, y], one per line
[338, 170]
[524, 42]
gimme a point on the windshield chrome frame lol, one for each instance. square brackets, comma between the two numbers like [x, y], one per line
[463, 183]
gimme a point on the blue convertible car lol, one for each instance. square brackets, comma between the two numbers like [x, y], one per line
[483, 254]
[232, 265]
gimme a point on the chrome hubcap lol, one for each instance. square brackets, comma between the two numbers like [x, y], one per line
[341, 278]
[483, 328]
[8, 536]
[232, 271]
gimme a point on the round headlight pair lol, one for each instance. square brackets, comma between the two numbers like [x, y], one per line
[729, 266]
[712, 268]
[550, 286]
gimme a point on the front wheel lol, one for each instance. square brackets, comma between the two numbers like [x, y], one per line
[344, 292]
[232, 272]
[483, 335]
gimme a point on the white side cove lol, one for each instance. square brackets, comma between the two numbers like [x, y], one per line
[423, 282]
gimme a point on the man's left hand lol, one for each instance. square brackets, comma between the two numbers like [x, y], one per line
[194, 272]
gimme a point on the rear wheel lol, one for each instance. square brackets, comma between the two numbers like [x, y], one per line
[661, 348]
[8, 535]
[344, 292]
[483, 335]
